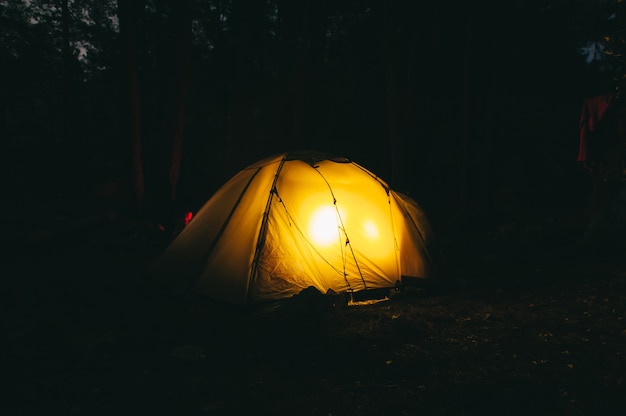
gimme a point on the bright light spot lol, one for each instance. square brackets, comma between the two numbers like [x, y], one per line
[324, 226]
[371, 230]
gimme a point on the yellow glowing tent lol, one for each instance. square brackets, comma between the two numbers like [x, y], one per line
[296, 220]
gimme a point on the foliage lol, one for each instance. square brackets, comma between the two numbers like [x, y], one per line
[614, 41]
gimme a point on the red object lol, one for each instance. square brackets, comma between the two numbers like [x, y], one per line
[592, 138]
[594, 110]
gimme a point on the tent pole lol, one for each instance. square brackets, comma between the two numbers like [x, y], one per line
[262, 231]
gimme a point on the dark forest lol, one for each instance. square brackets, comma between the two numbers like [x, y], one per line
[119, 117]
[469, 107]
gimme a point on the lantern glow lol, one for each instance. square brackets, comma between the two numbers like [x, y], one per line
[371, 230]
[324, 226]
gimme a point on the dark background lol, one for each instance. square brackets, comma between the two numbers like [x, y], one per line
[118, 117]
[471, 107]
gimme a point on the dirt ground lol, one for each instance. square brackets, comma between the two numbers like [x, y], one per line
[520, 330]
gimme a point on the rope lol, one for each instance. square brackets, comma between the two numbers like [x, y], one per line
[263, 230]
[396, 248]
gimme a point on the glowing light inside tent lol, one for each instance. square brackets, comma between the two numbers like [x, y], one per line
[324, 226]
[371, 230]
[354, 219]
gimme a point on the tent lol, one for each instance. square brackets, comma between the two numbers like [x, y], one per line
[298, 220]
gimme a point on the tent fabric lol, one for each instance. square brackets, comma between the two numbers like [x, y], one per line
[296, 220]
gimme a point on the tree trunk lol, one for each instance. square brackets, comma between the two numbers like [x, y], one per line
[467, 115]
[127, 10]
[301, 88]
[243, 131]
[490, 127]
[392, 92]
[182, 27]
[433, 41]
[301, 26]
[417, 108]
[68, 145]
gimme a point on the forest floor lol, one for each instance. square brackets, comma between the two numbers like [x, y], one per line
[539, 330]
